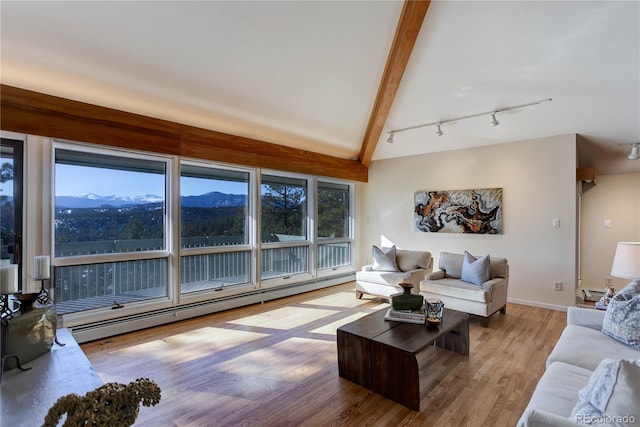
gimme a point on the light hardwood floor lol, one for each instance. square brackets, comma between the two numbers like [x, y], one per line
[275, 364]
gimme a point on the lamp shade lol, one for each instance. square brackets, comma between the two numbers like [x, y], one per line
[626, 262]
[9, 279]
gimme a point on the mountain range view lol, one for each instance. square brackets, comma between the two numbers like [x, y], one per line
[212, 199]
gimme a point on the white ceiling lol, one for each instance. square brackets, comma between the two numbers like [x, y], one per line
[305, 74]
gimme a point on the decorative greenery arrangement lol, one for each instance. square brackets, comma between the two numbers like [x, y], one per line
[112, 404]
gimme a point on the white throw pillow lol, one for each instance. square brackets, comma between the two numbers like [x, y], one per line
[384, 259]
[475, 270]
[611, 395]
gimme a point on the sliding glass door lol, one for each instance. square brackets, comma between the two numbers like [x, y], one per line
[11, 180]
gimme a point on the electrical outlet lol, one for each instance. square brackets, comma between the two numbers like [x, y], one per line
[608, 281]
[557, 286]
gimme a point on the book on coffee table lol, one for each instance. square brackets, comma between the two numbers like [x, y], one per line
[407, 316]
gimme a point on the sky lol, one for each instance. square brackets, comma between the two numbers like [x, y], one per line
[79, 180]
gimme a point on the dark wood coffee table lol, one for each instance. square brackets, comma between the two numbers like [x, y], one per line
[382, 355]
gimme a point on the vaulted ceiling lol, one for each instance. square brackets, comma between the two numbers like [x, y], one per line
[306, 74]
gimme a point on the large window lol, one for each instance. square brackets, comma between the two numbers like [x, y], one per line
[117, 240]
[214, 228]
[334, 225]
[284, 218]
[106, 208]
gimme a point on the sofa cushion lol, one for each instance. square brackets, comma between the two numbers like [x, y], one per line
[457, 289]
[622, 318]
[384, 259]
[586, 347]
[412, 260]
[587, 317]
[557, 390]
[393, 278]
[451, 264]
[612, 392]
[475, 270]
[498, 267]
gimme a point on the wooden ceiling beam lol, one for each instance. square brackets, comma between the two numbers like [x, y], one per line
[36, 113]
[409, 24]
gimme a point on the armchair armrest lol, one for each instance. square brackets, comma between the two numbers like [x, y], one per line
[489, 284]
[587, 317]
[436, 275]
[415, 276]
[498, 287]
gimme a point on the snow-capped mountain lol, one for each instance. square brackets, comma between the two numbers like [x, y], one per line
[213, 199]
[90, 200]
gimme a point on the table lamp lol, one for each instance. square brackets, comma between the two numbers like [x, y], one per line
[626, 262]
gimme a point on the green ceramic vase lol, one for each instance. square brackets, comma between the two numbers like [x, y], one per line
[407, 300]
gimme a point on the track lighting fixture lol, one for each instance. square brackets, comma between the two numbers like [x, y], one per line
[494, 121]
[635, 152]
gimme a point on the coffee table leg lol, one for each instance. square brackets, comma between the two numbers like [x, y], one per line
[394, 375]
[457, 339]
[354, 361]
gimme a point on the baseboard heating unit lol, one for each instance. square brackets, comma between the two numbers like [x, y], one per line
[106, 328]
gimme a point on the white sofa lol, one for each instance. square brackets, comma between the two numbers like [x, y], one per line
[578, 352]
[412, 267]
[482, 300]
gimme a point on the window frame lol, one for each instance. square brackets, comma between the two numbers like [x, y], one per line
[250, 247]
[106, 312]
[350, 238]
[276, 281]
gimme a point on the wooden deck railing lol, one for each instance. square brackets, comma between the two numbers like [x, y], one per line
[82, 287]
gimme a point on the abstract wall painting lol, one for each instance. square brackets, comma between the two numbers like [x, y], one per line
[459, 211]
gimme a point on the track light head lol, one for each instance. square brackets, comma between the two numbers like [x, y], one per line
[438, 130]
[390, 139]
[635, 152]
[494, 122]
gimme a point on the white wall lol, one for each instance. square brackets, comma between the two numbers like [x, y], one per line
[616, 198]
[538, 182]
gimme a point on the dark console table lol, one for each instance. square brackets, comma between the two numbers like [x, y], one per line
[383, 355]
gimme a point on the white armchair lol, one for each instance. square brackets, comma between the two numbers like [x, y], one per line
[380, 279]
[482, 299]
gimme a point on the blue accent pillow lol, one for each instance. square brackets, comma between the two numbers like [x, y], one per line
[622, 318]
[611, 393]
[475, 270]
[384, 259]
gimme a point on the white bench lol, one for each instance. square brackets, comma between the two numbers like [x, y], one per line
[27, 395]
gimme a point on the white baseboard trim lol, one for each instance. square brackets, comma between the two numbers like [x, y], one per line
[537, 304]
